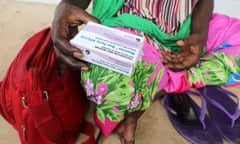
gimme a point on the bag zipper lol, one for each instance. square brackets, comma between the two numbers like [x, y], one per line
[24, 126]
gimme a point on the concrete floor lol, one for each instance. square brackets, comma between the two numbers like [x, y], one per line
[18, 21]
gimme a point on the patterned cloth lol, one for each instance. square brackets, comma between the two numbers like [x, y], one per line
[116, 94]
[168, 15]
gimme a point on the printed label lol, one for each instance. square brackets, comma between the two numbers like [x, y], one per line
[110, 48]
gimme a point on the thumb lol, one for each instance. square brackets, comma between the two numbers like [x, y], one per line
[188, 41]
[86, 17]
[76, 15]
[181, 43]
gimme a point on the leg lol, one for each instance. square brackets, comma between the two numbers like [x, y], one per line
[126, 129]
[125, 132]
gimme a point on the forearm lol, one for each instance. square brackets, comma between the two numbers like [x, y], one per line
[201, 16]
[83, 4]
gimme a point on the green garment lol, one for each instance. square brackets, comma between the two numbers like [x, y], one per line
[115, 93]
[105, 11]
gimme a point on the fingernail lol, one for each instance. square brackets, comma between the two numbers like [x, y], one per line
[77, 55]
[84, 69]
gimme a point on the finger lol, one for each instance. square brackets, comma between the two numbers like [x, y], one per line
[132, 141]
[190, 61]
[180, 58]
[187, 61]
[176, 66]
[185, 64]
[84, 17]
[129, 134]
[163, 53]
[121, 138]
[190, 40]
[61, 37]
[69, 60]
[65, 47]
[174, 58]
[73, 30]
[76, 15]
[68, 54]
[120, 128]
[168, 57]
[180, 43]
[196, 50]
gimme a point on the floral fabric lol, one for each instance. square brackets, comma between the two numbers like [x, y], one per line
[116, 94]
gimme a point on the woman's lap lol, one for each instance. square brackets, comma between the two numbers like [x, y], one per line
[115, 93]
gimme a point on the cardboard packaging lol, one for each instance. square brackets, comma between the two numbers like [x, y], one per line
[109, 48]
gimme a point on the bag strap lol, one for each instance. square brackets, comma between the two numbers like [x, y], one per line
[37, 101]
[45, 120]
[41, 60]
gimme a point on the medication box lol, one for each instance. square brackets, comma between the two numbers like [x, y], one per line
[109, 48]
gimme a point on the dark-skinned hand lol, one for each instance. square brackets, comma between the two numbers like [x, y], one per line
[191, 49]
[65, 25]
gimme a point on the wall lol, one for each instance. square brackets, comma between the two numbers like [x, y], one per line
[42, 1]
[228, 7]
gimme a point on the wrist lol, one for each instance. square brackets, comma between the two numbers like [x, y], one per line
[202, 36]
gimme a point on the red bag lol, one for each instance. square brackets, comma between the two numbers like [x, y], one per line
[44, 106]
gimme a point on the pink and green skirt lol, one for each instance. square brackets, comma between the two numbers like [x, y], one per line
[115, 94]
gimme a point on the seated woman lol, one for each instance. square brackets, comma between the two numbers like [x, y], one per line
[175, 37]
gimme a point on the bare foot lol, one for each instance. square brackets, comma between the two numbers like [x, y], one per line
[126, 129]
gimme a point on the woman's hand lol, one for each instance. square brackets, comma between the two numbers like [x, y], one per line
[65, 25]
[191, 49]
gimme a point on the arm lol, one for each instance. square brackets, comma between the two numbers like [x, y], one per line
[200, 18]
[192, 46]
[69, 14]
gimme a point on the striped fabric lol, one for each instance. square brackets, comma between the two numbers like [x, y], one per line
[169, 15]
